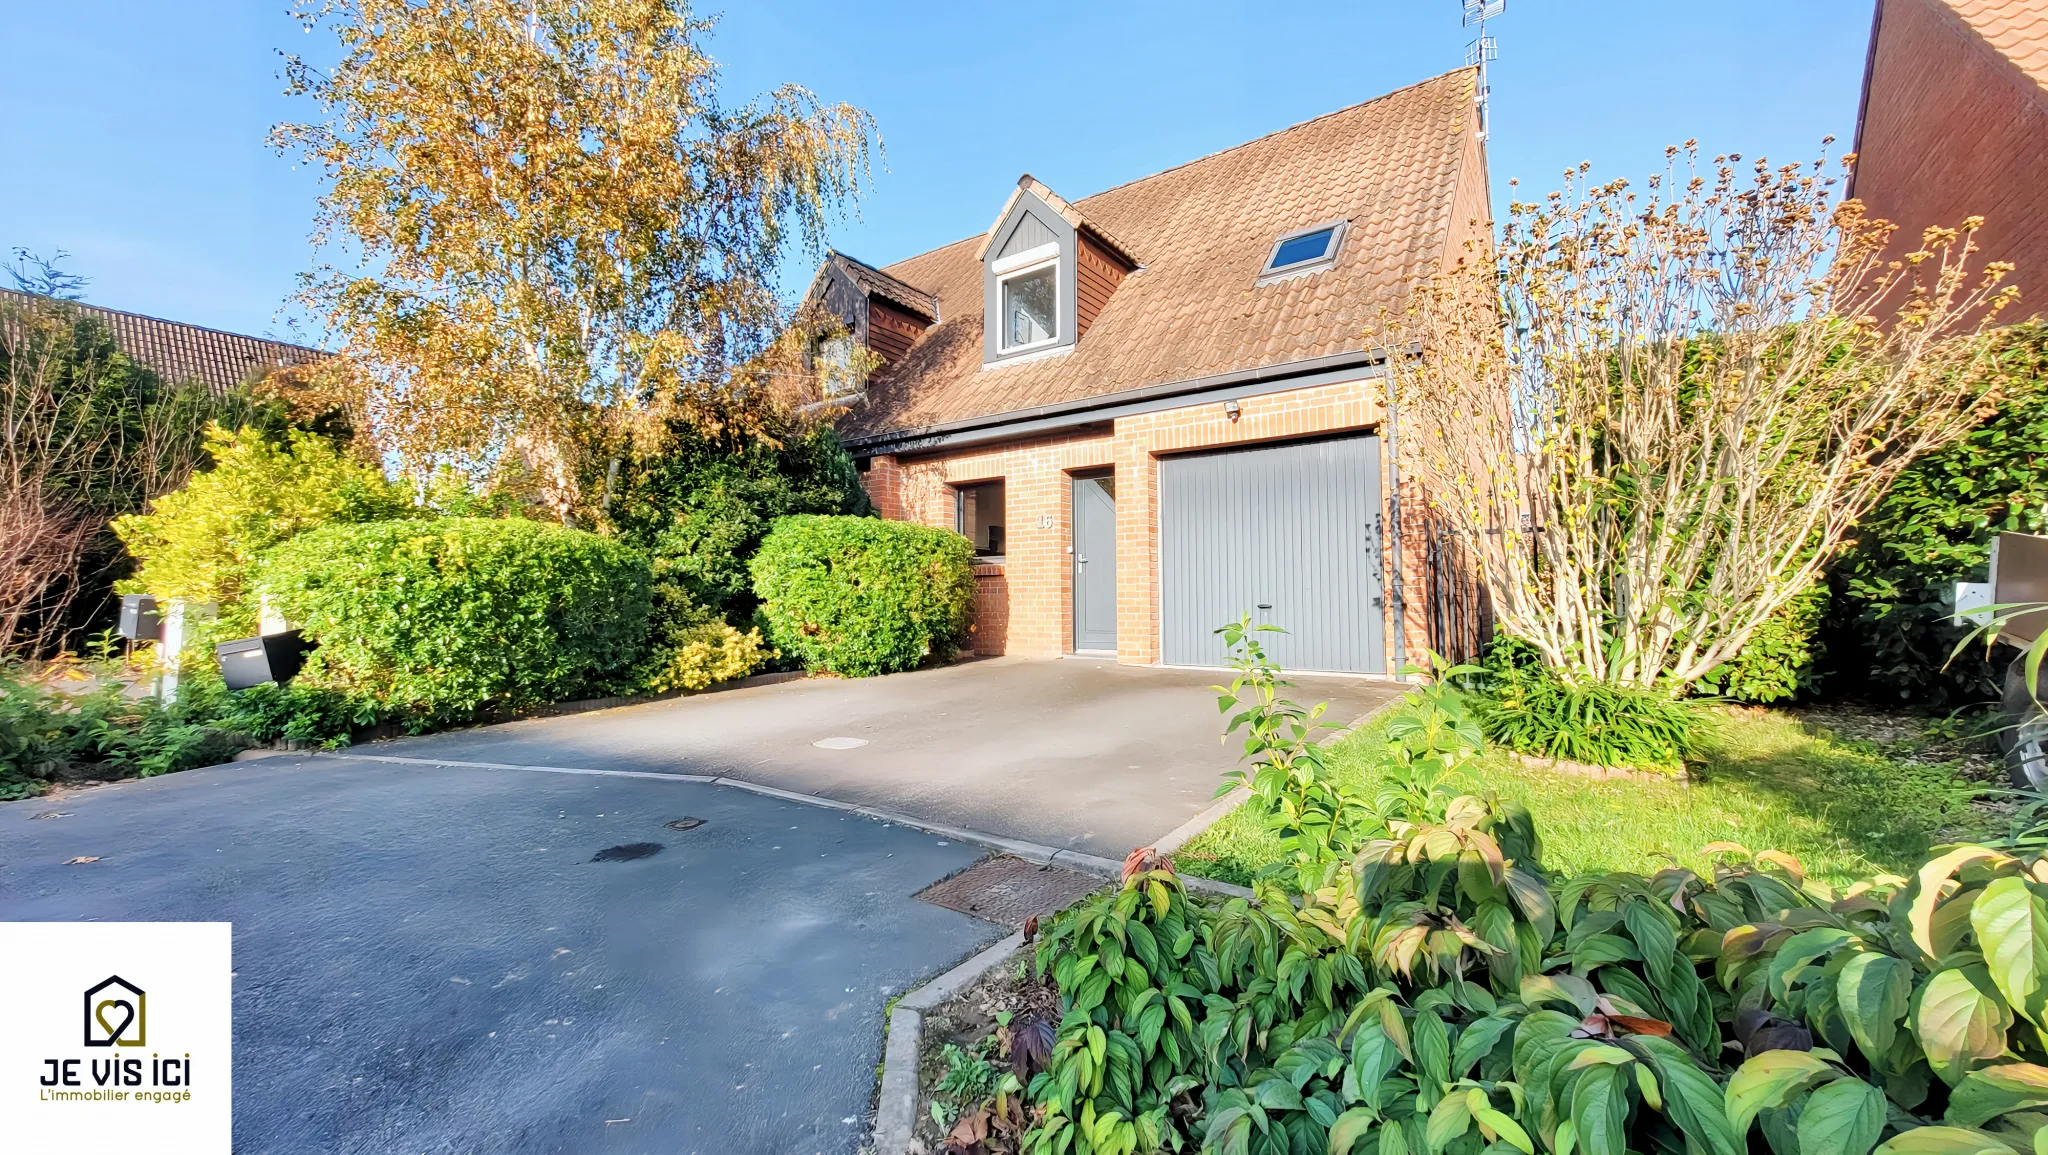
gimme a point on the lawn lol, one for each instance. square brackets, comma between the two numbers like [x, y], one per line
[1846, 808]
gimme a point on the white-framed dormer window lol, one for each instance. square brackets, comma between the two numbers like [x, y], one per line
[1028, 298]
[1308, 250]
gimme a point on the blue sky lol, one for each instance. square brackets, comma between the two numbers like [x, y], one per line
[132, 131]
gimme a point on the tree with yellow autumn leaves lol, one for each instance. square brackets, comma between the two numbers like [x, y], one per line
[545, 238]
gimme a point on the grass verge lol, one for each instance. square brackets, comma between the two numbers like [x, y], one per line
[1845, 809]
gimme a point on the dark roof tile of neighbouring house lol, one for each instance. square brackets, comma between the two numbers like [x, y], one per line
[1401, 169]
[180, 352]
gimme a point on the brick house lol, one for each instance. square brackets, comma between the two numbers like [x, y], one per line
[1952, 124]
[1176, 416]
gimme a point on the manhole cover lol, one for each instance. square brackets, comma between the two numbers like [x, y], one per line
[627, 853]
[1009, 890]
[840, 743]
[685, 823]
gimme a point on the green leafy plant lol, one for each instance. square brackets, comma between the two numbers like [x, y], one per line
[860, 596]
[436, 620]
[700, 504]
[1530, 709]
[1431, 739]
[1134, 968]
[703, 656]
[1933, 988]
[1318, 820]
[103, 733]
[972, 1077]
[298, 712]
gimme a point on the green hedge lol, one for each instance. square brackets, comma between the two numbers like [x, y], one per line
[861, 596]
[438, 619]
[1888, 631]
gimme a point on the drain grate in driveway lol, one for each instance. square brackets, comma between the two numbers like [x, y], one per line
[1009, 890]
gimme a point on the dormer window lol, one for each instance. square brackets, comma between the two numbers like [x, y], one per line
[1028, 288]
[1308, 250]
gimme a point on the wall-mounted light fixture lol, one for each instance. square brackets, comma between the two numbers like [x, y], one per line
[1232, 411]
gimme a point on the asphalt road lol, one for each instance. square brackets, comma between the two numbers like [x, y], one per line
[428, 959]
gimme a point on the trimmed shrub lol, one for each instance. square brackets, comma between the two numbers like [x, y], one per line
[439, 619]
[861, 596]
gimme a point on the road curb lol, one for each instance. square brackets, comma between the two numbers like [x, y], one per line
[896, 1102]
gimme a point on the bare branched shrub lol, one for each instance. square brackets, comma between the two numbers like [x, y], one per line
[85, 434]
[1657, 414]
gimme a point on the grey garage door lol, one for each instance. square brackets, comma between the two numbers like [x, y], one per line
[1289, 534]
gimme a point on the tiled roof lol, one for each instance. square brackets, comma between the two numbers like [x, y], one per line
[1202, 231]
[180, 352]
[878, 283]
[2016, 29]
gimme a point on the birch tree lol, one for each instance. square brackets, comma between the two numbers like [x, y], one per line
[1656, 414]
[544, 234]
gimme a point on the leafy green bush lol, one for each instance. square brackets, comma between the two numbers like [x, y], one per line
[1888, 628]
[1780, 661]
[202, 541]
[701, 505]
[1527, 708]
[435, 620]
[861, 596]
[47, 736]
[1437, 993]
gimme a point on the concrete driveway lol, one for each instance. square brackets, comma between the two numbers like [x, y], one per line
[1073, 754]
[428, 960]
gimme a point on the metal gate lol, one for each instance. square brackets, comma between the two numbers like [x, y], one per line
[1290, 534]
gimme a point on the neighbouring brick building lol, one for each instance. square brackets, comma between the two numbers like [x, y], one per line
[1954, 123]
[1159, 407]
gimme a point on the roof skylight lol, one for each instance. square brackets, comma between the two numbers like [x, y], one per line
[1304, 251]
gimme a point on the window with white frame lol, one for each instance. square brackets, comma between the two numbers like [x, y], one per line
[1027, 293]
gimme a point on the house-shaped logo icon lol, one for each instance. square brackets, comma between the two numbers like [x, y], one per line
[116, 1014]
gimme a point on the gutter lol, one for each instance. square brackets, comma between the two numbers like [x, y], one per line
[1305, 372]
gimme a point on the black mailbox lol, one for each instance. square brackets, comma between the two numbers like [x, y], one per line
[247, 662]
[139, 619]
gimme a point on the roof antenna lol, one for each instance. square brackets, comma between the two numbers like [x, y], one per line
[1482, 51]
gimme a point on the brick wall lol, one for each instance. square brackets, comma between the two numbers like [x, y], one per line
[1951, 128]
[1031, 590]
[991, 610]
